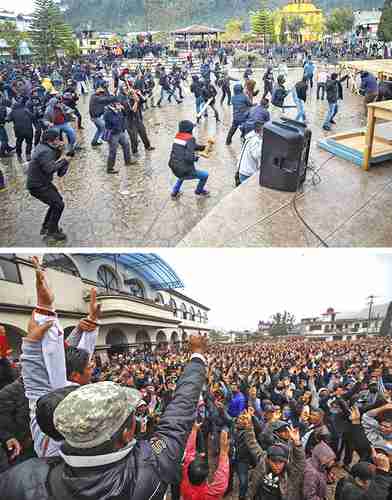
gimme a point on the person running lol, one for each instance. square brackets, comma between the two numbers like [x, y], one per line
[241, 105]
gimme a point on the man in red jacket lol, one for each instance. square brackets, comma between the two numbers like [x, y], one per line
[194, 485]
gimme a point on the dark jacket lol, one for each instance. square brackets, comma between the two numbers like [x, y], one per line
[332, 89]
[14, 412]
[197, 88]
[291, 481]
[98, 103]
[43, 166]
[114, 121]
[301, 88]
[22, 119]
[182, 157]
[379, 487]
[241, 105]
[315, 479]
[144, 473]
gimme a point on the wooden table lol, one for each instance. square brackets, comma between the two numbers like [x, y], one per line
[376, 110]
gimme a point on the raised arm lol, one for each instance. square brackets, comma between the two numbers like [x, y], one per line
[170, 437]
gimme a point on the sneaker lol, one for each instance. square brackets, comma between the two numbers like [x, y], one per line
[151, 148]
[175, 196]
[44, 231]
[132, 161]
[95, 144]
[203, 193]
[19, 158]
[326, 127]
[112, 171]
[332, 121]
[58, 236]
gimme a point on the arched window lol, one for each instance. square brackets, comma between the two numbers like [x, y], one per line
[60, 262]
[107, 279]
[192, 315]
[173, 305]
[136, 288]
[184, 311]
[199, 316]
[159, 299]
[205, 317]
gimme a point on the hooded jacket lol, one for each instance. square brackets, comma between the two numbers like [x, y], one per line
[241, 104]
[315, 479]
[135, 473]
[182, 157]
[98, 103]
[43, 166]
[291, 480]
[22, 119]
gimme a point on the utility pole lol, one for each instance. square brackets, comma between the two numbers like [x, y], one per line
[370, 303]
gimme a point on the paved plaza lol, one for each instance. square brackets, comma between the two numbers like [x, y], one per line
[134, 208]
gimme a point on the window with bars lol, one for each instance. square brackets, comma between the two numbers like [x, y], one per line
[107, 279]
[60, 262]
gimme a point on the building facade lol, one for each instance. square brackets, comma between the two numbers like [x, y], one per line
[21, 21]
[138, 294]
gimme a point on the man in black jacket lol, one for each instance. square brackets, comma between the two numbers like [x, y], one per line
[98, 102]
[46, 161]
[182, 160]
[22, 119]
[14, 423]
[334, 92]
[5, 149]
[100, 458]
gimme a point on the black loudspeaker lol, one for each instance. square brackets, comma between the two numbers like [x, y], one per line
[285, 154]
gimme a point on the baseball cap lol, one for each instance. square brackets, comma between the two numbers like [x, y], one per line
[278, 453]
[362, 470]
[91, 415]
[278, 425]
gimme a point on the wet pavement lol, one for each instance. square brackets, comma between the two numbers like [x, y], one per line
[134, 208]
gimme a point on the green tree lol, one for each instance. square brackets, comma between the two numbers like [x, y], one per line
[283, 31]
[340, 21]
[385, 26]
[294, 26]
[48, 30]
[262, 23]
[282, 323]
[11, 35]
[233, 29]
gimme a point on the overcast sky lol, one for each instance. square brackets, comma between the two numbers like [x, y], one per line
[18, 6]
[243, 286]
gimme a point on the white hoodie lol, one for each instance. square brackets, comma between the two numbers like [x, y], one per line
[250, 157]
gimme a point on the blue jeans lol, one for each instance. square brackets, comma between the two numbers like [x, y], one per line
[242, 469]
[332, 110]
[199, 174]
[244, 178]
[69, 132]
[300, 108]
[100, 124]
[199, 104]
[3, 139]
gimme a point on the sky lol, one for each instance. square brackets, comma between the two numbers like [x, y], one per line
[244, 286]
[18, 6]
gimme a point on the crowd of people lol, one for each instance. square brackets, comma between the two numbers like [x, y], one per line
[283, 420]
[42, 104]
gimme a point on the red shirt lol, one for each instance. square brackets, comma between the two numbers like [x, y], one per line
[206, 491]
[4, 347]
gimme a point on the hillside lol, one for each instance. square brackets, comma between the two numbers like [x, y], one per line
[134, 15]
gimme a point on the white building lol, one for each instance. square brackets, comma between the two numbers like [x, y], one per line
[344, 326]
[366, 23]
[21, 21]
[137, 292]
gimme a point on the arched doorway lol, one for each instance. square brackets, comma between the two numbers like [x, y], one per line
[161, 341]
[14, 337]
[184, 337]
[143, 340]
[117, 340]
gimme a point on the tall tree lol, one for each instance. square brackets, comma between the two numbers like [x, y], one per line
[340, 20]
[262, 23]
[385, 26]
[294, 25]
[282, 323]
[48, 30]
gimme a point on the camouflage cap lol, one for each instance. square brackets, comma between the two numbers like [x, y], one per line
[91, 415]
